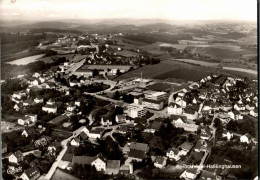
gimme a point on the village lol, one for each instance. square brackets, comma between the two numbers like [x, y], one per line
[76, 119]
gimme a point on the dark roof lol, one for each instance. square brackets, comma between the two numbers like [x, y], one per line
[113, 164]
[155, 125]
[139, 146]
[18, 154]
[137, 154]
[32, 172]
[159, 160]
[83, 135]
[59, 119]
[172, 104]
[97, 131]
[152, 101]
[186, 146]
[175, 151]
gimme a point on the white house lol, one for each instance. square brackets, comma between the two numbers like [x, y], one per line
[50, 108]
[254, 113]
[75, 142]
[71, 107]
[38, 100]
[16, 157]
[189, 174]
[245, 138]
[24, 121]
[96, 133]
[99, 164]
[32, 173]
[120, 118]
[160, 162]
[227, 134]
[173, 153]
[24, 133]
[33, 117]
[174, 108]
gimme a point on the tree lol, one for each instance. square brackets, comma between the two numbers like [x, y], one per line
[217, 123]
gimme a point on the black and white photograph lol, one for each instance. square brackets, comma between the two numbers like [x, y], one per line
[129, 89]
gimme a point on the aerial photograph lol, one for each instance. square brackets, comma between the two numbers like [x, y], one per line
[129, 89]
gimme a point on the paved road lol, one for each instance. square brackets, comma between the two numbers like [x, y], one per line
[63, 151]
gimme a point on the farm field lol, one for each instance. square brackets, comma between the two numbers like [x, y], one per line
[159, 87]
[26, 60]
[184, 73]
[49, 59]
[202, 63]
[127, 53]
[158, 71]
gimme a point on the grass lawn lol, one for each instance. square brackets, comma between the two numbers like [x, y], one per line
[159, 87]
[59, 174]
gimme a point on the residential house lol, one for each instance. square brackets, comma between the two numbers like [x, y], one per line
[24, 121]
[25, 133]
[50, 102]
[160, 162]
[185, 148]
[106, 120]
[235, 115]
[189, 174]
[96, 133]
[174, 108]
[33, 117]
[246, 138]
[250, 106]
[138, 151]
[201, 145]
[16, 157]
[28, 102]
[227, 134]
[75, 142]
[113, 167]
[154, 126]
[59, 119]
[79, 101]
[181, 122]
[97, 161]
[173, 153]
[120, 118]
[71, 107]
[50, 108]
[32, 173]
[254, 113]
[190, 113]
[182, 102]
[205, 133]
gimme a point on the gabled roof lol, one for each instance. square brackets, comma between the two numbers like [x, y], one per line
[32, 172]
[174, 150]
[139, 146]
[137, 154]
[83, 135]
[172, 104]
[186, 146]
[113, 164]
[155, 125]
[159, 160]
[18, 154]
[59, 119]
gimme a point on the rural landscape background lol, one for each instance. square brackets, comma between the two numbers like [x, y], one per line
[129, 89]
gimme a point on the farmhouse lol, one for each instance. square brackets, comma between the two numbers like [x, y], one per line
[160, 162]
[97, 161]
[31, 174]
[16, 157]
[113, 166]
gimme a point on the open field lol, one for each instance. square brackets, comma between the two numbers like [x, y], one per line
[202, 63]
[159, 71]
[26, 60]
[127, 53]
[159, 87]
[184, 73]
